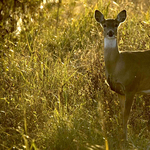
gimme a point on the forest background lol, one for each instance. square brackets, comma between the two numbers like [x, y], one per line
[53, 93]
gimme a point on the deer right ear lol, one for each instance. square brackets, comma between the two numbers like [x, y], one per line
[99, 16]
[122, 16]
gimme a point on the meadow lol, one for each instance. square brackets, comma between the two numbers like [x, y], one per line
[53, 91]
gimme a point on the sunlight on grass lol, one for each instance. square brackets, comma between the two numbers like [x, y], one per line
[53, 91]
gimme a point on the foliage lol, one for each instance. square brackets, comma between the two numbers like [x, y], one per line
[53, 93]
[12, 10]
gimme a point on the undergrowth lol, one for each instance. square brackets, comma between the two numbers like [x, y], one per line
[53, 90]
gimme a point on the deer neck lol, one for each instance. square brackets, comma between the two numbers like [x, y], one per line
[111, 54]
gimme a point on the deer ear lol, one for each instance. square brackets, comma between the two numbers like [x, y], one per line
[99, 16]
[121, 16]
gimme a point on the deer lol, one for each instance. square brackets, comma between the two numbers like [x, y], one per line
[127, 72]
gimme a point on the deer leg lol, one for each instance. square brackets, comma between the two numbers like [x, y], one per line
[128, 104]
[122, 102]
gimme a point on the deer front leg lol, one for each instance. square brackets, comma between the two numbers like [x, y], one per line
[127, 108]
[122, 102]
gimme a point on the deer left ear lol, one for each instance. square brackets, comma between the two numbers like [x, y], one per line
[99, 16]
[121, 16]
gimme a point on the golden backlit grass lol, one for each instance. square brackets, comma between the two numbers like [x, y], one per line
[53, 90]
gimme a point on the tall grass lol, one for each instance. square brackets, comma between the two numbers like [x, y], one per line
[53, 90]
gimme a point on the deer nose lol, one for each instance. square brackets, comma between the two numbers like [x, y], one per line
[110, 33]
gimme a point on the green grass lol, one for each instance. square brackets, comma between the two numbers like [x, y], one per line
[53, 91]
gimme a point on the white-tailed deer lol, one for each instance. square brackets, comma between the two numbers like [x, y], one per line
[127, 73]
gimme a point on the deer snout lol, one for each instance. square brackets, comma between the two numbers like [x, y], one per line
[110, 33]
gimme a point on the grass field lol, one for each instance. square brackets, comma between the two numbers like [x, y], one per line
[53, 93]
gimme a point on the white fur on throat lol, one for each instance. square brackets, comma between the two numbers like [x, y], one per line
[110, 43]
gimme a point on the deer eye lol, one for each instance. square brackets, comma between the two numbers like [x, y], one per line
[104, 25]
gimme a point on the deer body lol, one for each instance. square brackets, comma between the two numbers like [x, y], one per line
[127, 73]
